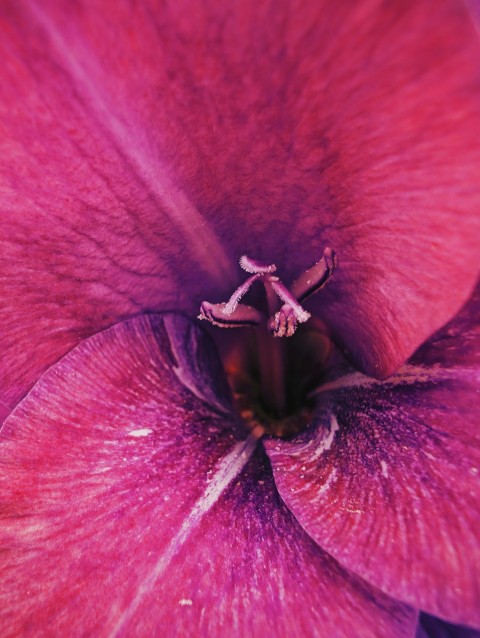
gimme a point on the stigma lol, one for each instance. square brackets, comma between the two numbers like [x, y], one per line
[285, 312]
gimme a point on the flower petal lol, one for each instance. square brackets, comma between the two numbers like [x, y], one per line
[134, 136]
[93, 228]
[387, 477]
[133, 503]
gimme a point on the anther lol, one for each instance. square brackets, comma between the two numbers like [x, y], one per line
[284, 323]
[315, 278]
[242, 316]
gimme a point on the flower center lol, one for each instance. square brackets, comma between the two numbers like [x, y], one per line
[272, 368]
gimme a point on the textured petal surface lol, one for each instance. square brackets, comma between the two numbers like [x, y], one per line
[133, 503]
[387, 477]
[146, 146]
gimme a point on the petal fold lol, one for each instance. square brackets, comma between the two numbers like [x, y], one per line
[134, 503]
[387, 476]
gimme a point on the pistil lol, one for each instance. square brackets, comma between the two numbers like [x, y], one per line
[272, 359]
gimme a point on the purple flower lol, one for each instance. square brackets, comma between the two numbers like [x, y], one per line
[321, 482]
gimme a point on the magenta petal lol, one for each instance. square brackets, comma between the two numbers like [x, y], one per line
[93, 227]
[387, 478]
[144, 147]
[134, 504]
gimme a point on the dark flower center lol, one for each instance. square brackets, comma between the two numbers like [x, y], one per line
[271, 376]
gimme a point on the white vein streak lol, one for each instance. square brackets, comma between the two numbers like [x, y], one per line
[407, 375]
[327, 441]
[227, 470]
[131, 139]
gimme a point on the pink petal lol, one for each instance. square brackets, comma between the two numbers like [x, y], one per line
[145, 147]
[387, 478]
[134, 504]
[93, 226]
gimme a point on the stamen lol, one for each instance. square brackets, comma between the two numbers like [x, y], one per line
[284, 323]
[257, 267]
[242, 316]
[315, 277]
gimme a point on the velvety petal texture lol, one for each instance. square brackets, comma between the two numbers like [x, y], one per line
[145, 146]
[134, 503]
[387, 477]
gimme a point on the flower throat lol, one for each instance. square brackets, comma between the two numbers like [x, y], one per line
[275, 390]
